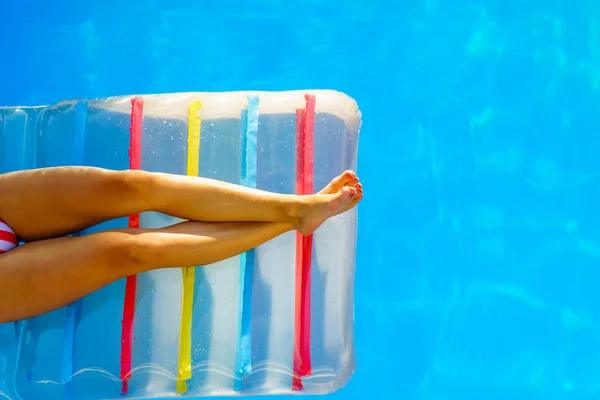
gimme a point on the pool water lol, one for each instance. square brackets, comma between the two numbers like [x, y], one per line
[479, 234]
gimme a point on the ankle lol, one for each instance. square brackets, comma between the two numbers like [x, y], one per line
[295, 210]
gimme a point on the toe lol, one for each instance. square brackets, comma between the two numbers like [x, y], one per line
[347, 194]
[349, 175]
[359, 190]
[348, 178]
[353, 203]
[349, 191]
[352, 182]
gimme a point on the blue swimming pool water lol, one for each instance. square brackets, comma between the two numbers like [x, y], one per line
[479, 237]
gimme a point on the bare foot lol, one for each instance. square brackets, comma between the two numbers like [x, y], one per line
[348, 178]
[340, 195]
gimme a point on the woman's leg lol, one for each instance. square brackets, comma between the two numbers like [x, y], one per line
[50, 202]
[43, 276]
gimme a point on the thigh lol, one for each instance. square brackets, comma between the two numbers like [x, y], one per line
[42, 276]
[51, 202]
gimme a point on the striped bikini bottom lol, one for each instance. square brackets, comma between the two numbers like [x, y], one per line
[8, 238]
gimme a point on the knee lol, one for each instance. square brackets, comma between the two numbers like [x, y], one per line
[128, 185]
[133, 252]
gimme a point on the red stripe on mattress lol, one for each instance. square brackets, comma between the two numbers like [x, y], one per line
[300, 123]
[304, 185]
[135, 150]
[309, 145]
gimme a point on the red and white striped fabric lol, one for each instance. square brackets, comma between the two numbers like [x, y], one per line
[8, 238]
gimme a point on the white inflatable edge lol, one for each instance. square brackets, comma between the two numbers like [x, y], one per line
[229, 104]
